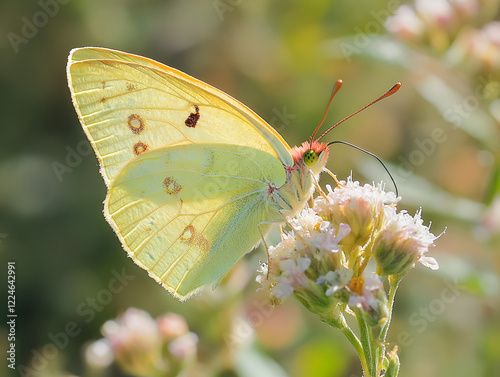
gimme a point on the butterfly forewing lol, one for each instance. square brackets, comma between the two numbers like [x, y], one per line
[128, 105]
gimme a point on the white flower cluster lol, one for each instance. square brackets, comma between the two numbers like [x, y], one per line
[322, 261]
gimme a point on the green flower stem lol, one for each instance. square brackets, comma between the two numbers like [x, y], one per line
[394, 284]
[368, 345]
[353, 339]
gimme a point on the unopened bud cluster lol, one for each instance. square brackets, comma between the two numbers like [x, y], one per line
[143, 346]
[446, 27]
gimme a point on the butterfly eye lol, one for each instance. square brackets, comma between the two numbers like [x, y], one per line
[310, 157]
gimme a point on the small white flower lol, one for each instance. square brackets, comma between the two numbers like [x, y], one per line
[263, 270]
[429, 262]
[466, 7]
[337, 279]
[306, 222]
[294, 270]
[184, 346]
[303, 264]
[369, 300]
[292, 276]
[405, 23]
[99, 353]
[327, 239]
[172, 325]
[492, 31]
[282, 290]
[133, 326]
[437, 12]
[344, 230]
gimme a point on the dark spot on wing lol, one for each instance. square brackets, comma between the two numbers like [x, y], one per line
[171, 186]
[193, 118]
[140, 147]
[189, 234]
[136, 124]
[192, 237]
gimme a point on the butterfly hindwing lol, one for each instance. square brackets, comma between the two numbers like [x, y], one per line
[188, 213]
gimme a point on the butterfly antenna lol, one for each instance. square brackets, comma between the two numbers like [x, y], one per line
[371, 154]
[336, 88]
[390, 92]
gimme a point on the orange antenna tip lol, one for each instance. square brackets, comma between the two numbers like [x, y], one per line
[390, 92]
[393, 90]
[335, 89]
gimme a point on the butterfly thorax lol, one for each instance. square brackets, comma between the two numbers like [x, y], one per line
[309, 159]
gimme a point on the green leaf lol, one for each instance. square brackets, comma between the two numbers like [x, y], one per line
[250, 362]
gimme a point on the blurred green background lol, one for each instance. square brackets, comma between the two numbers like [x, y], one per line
[439, 136]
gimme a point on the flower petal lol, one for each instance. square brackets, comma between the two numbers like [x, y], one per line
[429, 262]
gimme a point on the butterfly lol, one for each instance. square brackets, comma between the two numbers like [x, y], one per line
[195, 178]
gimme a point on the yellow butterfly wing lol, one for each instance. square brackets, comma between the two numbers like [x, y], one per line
[188, 213]
[128, 104]
[162, 138]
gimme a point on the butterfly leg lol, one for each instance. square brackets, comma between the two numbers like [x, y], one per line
[321, 192]
[334, 177]
[262, 235]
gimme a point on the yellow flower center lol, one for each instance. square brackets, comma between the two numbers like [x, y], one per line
[356, 285]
